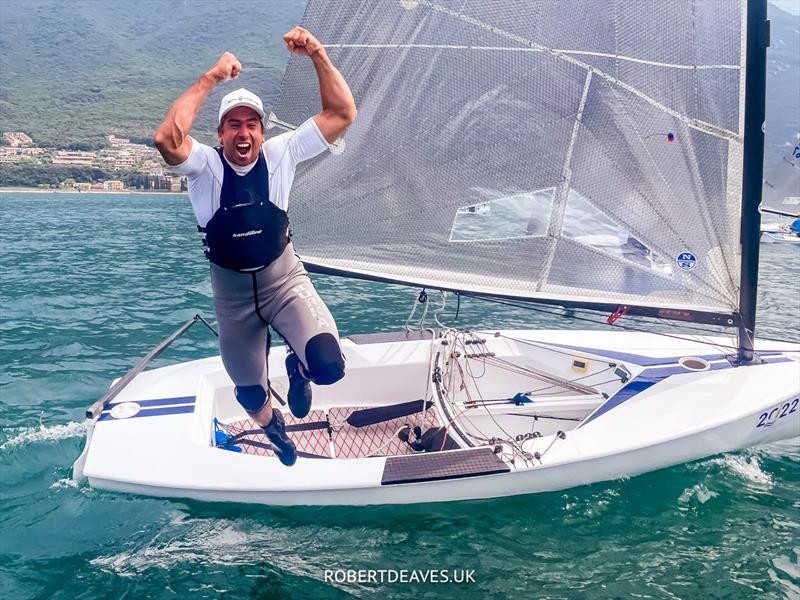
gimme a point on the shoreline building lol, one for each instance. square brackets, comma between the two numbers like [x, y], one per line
[113, 185]
[17, 138]
[74, 158]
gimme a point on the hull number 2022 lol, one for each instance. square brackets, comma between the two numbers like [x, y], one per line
[769, 418]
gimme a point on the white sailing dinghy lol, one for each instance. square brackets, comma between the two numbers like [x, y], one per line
[781, 232]
[617, 148]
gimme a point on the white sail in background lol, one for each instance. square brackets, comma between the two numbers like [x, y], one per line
[782, 185]
[587, 151]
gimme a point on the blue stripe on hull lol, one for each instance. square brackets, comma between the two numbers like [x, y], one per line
[157, 402]
[152, 412]
[651, 376]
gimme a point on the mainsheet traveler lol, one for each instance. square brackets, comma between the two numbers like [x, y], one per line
[240, 194]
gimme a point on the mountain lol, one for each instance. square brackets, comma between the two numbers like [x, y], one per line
[783, 87]
[73, 72]
[76, 71]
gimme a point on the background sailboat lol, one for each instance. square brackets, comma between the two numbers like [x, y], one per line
[622, 171]
[782, 198]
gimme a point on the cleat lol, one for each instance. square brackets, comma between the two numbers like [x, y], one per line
[299, 396]
[283, 447]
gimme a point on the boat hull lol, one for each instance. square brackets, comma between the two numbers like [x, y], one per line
[661, 415]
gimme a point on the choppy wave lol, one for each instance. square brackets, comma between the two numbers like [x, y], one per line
[221, 542]
[747, 467]
[698, 492]
[217, 543]
[65, 482]
[44, 433]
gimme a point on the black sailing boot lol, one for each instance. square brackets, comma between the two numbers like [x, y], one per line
[299, 397]
[283, 447]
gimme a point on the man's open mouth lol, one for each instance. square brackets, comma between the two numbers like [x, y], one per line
[243, 149]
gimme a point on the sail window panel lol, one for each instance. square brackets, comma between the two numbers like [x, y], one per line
[716, 165]
[392, 197]
[520, 215]
[585, 224]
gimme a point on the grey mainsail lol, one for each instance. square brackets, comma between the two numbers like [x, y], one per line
[586, 151]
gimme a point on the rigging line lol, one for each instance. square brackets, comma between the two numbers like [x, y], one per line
[429, 379]
[703, 334]
[539, 49]
[441, 310]
[469, 396]
[481, 349]
[691, 327]
[558, 436]
[417, 300]
[538, 391]
[693, 123]
[450, 400]
[537, 344]
[508, 365]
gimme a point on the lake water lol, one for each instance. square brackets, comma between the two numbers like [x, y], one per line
[91, 282]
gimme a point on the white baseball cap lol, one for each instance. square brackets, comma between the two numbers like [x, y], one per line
[240, 97]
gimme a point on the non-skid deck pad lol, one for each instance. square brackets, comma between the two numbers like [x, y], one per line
[431, 466]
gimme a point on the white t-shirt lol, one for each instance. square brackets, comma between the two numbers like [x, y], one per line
[204, 168]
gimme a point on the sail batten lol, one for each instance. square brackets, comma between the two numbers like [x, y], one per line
[587, 151]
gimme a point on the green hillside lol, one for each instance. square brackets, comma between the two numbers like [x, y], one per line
[73, 72]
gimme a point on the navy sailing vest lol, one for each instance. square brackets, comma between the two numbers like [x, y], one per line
[247, 232]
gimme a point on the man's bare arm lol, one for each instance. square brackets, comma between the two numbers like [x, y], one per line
[172, 136]
[338, 106]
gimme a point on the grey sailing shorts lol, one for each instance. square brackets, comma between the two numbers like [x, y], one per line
[281, 295]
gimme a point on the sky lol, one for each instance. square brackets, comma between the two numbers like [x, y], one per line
[790, 6]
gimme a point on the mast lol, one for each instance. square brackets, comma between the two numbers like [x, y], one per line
[753, 170]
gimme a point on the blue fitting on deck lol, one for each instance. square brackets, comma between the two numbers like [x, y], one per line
[221, 438]
[521, 399]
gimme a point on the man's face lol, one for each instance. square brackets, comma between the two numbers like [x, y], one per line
[241, 136]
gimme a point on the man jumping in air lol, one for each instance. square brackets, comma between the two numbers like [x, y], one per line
[239, 194]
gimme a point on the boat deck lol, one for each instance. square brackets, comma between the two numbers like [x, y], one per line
[342, 432]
